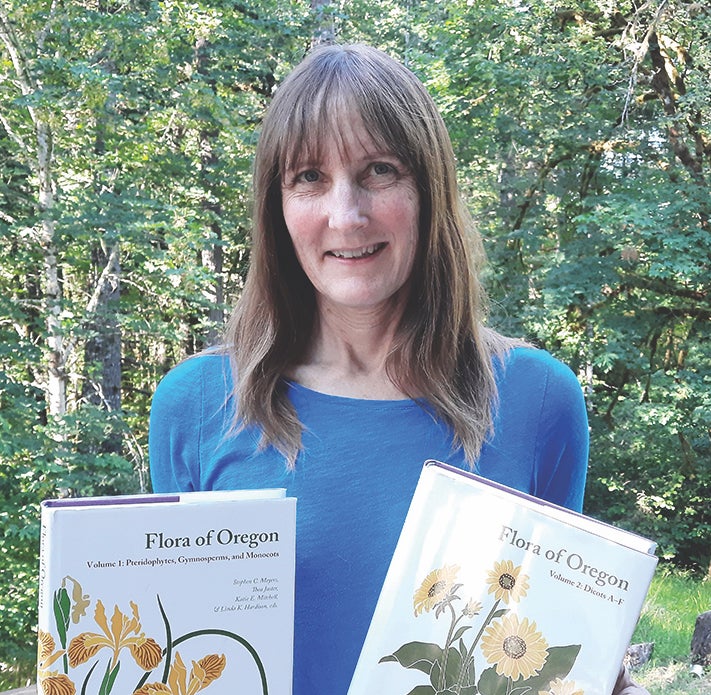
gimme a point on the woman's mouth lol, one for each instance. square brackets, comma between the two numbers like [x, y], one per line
[362, 252]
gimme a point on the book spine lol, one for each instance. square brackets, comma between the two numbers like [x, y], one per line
[44, 598]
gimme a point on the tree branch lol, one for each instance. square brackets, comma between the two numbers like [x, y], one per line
[661, 287]
[640, 54]
[42, 36]
[13, 135]
[528, 197]
[14, 49]
[107, 275]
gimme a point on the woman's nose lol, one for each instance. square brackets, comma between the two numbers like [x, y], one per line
[346, 206]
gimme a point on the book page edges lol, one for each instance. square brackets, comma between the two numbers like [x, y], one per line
[160, 498]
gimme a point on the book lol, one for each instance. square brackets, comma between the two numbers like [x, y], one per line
[167, 594]
[494, 592]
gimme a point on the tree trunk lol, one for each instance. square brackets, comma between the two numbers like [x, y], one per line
[212, 259]
[324, 29]
[211, 256]
[41, 151]
[102, 352]
[56, 375]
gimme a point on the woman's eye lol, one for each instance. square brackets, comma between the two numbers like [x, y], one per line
[308, 176]
[381, 168]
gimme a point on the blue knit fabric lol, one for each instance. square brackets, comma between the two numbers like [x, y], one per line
[355, 477]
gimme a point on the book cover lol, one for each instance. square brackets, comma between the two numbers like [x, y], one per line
[167, 594]
[494, 592]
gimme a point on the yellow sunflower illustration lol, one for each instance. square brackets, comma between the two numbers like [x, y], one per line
[561, 687]
[436, 587]
[516, 648]
[506, 582]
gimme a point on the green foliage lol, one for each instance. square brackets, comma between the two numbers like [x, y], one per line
[654, 474]
[152, 109]
[672, 679]
[588, 177]
[674, 601]
[37, 463]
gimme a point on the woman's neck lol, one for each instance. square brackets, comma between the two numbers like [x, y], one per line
[348, 354]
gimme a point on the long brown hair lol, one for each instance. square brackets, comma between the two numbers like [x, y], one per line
[441, 352]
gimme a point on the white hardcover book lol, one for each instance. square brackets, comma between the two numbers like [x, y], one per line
[167, 594]
[494, 592]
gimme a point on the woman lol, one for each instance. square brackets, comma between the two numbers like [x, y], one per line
[358, 349]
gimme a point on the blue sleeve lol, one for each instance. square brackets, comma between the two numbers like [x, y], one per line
[174, 429]
[540, 440]
[563, 442]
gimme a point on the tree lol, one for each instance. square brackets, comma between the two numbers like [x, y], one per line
[33, 134]
[128, 130]
[586, 139]
[583, 133]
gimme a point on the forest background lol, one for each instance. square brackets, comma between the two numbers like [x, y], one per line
[127, 130]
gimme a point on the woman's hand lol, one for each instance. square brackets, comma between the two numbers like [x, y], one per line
[626, 686]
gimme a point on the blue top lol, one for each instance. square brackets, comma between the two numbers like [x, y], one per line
[355, 477]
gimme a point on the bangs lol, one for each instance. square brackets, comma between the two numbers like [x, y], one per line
[323, 118]
[332, 98]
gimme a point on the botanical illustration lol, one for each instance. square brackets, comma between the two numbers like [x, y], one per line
[520, 660]
[119, 644]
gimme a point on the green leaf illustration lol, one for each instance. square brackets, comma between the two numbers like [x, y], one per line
[85, 684]
[453, 667]
[467, 673]
[423, 690]
[436, 676]
[458, 634]
[558, 665]
[109, 677]
[418, 655]
[62, 606]
[237, 638]
[491, 683]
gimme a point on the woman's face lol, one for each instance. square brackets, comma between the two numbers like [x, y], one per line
[353, 220]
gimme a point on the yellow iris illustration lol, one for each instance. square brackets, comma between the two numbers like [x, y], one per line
[57, 684]
[46, 647]
[125, 632]
[203, 672]
[560, 687]
[51, 682]
[436, 587]
[80, 600]
[517, 648]
[506, 582]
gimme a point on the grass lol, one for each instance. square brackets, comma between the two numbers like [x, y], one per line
[673, 679]
[668, 617]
